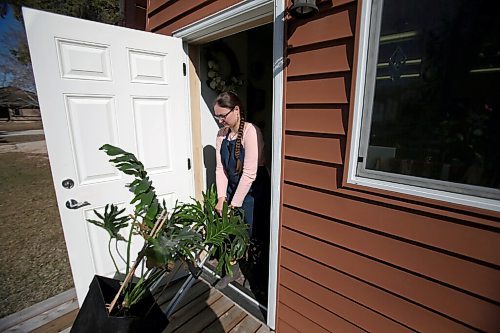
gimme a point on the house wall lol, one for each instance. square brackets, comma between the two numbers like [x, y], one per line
[356, 259]
[30, 112]
[135, 14]
[166, 16]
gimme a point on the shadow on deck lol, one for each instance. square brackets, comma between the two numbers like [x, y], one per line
[203, 309]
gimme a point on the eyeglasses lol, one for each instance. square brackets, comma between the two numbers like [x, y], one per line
[223, 116]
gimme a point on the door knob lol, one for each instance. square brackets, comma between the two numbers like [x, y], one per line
[73, 204]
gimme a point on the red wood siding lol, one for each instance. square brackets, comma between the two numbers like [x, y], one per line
[166, 16]
[135, 14]
[357, 259]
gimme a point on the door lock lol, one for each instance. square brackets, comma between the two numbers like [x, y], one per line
[68, 183]
[73, 204]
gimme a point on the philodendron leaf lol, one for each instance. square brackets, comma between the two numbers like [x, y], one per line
[160, 252]
[142, 186]
[112, 150]
[122, 158]
[147, 197]
[145, 200]
[111, 221]
[152, 210]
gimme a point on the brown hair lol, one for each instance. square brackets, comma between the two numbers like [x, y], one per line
[230, 100]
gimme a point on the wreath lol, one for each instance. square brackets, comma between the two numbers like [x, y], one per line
[223, 69]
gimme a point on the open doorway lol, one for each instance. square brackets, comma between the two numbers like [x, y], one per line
[242, 62]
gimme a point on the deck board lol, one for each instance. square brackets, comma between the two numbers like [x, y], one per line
[207, 316]
[203, 309]
[62, 322]
[227, 321]
[263, 329]
[52, 315]
[247, 325]
[37, 309]
[194, 292]
[186, 313]
[52, 320]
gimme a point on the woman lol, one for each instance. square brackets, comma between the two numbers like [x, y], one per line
[241, 177]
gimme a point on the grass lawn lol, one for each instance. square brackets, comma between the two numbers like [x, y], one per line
[34, 262]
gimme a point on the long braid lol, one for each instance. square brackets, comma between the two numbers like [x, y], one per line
[239, 165]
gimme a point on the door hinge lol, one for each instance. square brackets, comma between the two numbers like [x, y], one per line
[189, 163]
[184, 69]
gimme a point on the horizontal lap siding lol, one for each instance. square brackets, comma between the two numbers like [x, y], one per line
[373, 258]
[328, 120]
[316, 313]
[311, 174]
[351, 261]
[323, 149]
[434, 232]
[388, 304]
[166, 16]
[135, 14]
[298, 321]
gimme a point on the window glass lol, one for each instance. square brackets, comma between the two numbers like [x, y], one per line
[434, 111]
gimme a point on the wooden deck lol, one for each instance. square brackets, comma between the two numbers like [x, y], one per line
[203, 309]
[52, 315]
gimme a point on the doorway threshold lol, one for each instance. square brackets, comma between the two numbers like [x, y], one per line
[238, 294]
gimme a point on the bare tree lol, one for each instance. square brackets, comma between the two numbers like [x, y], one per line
[14, 72]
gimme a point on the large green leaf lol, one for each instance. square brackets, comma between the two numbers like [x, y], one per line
[189, 228]
[111, 221]
[145, 199]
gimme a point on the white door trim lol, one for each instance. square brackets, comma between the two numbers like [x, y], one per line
[239, 15]
[278, 66]
[230, 18]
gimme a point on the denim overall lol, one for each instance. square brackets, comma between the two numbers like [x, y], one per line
[258, 198]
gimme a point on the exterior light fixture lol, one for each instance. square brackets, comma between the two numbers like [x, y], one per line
[304, 8]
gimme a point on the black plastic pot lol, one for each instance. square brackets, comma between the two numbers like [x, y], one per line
[145, 316]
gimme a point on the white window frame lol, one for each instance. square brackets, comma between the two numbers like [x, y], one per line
[356, 135]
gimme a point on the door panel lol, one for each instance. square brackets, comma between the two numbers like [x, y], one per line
[153, 116]
[101, 84]
[91, 121]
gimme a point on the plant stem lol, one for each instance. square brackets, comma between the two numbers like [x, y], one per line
[153, 233]
[134, 219]
[127, 279]
[137, 293]
[111, 255]
[117, 251]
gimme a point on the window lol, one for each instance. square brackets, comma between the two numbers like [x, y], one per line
[428, 98]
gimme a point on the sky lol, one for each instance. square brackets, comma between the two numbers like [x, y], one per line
[7, 24]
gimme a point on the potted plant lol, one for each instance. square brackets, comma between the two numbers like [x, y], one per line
[127, 305]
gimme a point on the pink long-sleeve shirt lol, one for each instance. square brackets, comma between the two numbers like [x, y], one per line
[253, 143]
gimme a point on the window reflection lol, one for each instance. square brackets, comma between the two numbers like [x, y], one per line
[436, 108]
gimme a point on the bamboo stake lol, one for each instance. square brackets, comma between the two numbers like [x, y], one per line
[159, 222]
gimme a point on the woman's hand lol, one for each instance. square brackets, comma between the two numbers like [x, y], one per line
[220, 204]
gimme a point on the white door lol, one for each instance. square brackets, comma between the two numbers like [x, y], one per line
[100, 84]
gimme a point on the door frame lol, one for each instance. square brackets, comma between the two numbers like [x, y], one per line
[237, 18]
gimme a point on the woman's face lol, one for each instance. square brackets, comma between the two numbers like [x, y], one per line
[227, 117]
